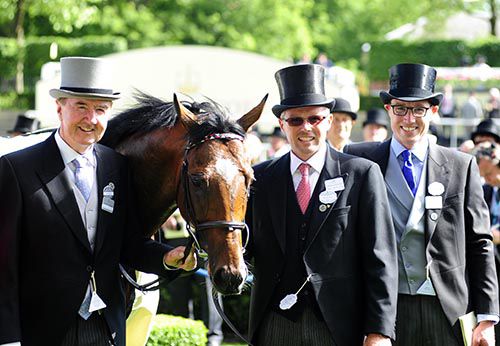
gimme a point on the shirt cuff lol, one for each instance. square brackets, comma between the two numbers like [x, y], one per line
[12, 344]
[485, 317]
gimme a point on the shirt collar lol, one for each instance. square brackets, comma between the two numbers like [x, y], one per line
[317, 161]
[68, 154]
[419, 149]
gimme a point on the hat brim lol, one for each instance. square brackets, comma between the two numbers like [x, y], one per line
[434, 99]
[278, 109]
[487, 133]
[353, 115]
[59, 93]
[369, 122]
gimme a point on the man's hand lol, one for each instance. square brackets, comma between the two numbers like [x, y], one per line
[377, 340]
[484, 334]
[174, 257]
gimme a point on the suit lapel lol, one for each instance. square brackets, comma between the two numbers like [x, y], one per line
[59, 188]
[277, 197]
[330, 170]
[106, 174]
[381, 155]
[438, 170]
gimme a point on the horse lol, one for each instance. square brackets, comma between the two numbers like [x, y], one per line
[191, 155]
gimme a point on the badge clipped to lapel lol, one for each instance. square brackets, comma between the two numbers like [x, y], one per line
[108, 194]
[330, 194]
[435, 201]
[96, 302]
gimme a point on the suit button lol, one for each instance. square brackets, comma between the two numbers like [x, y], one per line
[404, 248]
[89, 268]
[434, 216]
[277, 277]
[303, 225]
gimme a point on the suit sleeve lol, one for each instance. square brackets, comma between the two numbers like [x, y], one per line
[10, 224]
[378, 247]
[479, 248]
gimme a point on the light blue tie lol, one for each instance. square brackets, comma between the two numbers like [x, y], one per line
[84, 308]
[83, 176]
[408, 172]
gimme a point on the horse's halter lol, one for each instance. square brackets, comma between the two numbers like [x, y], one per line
[192, 225]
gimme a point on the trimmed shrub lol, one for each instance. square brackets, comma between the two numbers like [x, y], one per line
[177, 331]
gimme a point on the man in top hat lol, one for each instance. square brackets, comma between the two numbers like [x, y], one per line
[446, 264]
[321, 238]
[67, 221]
[344, 119]
[278, 142]
[375, 125]
[24, 125]
[486, 131]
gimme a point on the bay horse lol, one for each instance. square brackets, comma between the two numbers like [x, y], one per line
[191, 155]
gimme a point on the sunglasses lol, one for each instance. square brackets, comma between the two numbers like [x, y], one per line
[298, 121]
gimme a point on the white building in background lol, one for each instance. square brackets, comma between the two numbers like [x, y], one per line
[235, 79]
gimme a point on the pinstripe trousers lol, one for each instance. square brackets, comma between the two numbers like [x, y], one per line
[276, 330]
[421, 321]
[91, 332]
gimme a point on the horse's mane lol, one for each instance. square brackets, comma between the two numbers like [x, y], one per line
[151, 113]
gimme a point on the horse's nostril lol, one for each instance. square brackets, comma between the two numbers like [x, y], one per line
[227, 281]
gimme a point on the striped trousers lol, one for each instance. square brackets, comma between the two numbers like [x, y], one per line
[276, 330]
[420, 321]
[91, 332]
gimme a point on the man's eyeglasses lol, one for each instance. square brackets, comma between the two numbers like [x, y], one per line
[298, 121]
[401, 111]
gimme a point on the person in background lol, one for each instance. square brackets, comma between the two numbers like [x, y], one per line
[344, 119]
[472, 108]
[279, 144]
[375, 125]
[321, 234]
[444, 243]
[488, 159]
[486, 131]
[24, 125]
[493, 105]
[447, 108]
[67, 223]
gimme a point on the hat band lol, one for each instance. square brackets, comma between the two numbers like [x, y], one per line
[89, 90]
[304, 99]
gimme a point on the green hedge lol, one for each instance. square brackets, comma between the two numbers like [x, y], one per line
[37, 53]
[435, 53]
[177, 331]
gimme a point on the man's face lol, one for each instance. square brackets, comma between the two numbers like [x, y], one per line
[306, 139]
[483, 138]
[374, 133]
[408, 129]
[489, 171]
[341, 127]
[83, 121]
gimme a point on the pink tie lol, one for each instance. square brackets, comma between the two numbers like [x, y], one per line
[304, 189]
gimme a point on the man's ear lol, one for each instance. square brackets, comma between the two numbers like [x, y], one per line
[434, 109]
[387, 107]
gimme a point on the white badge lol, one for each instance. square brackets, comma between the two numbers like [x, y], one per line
[287, 302]
[328, 197]
[108, 204]
[433, 202]
[426, 288]
[96, 303]
[336, 184]
[435, 188]
[109, 190]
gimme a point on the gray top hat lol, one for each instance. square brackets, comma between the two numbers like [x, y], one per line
[83, 77]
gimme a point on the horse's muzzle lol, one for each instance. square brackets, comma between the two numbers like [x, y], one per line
[229, 282]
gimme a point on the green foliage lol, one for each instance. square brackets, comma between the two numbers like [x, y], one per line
[8, 57]
[11, 100]
[449, 53]
[177, 331]
[368, 102]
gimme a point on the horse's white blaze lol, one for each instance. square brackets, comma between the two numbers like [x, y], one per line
[226, 169]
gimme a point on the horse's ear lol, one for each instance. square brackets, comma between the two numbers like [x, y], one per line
[251, 117]
[187, 118]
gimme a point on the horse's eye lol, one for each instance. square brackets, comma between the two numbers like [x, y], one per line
[198, 180]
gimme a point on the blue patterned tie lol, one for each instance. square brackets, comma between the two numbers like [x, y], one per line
[408, 171]
[84, 308]
[82, 176]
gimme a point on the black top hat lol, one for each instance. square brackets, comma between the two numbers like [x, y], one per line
[25, 124]
[278, 133]
[376, 116]
[412, 82]
[343, 106]
[486, 127]
[301, 86]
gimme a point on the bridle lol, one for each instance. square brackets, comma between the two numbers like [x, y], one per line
[192, 224]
